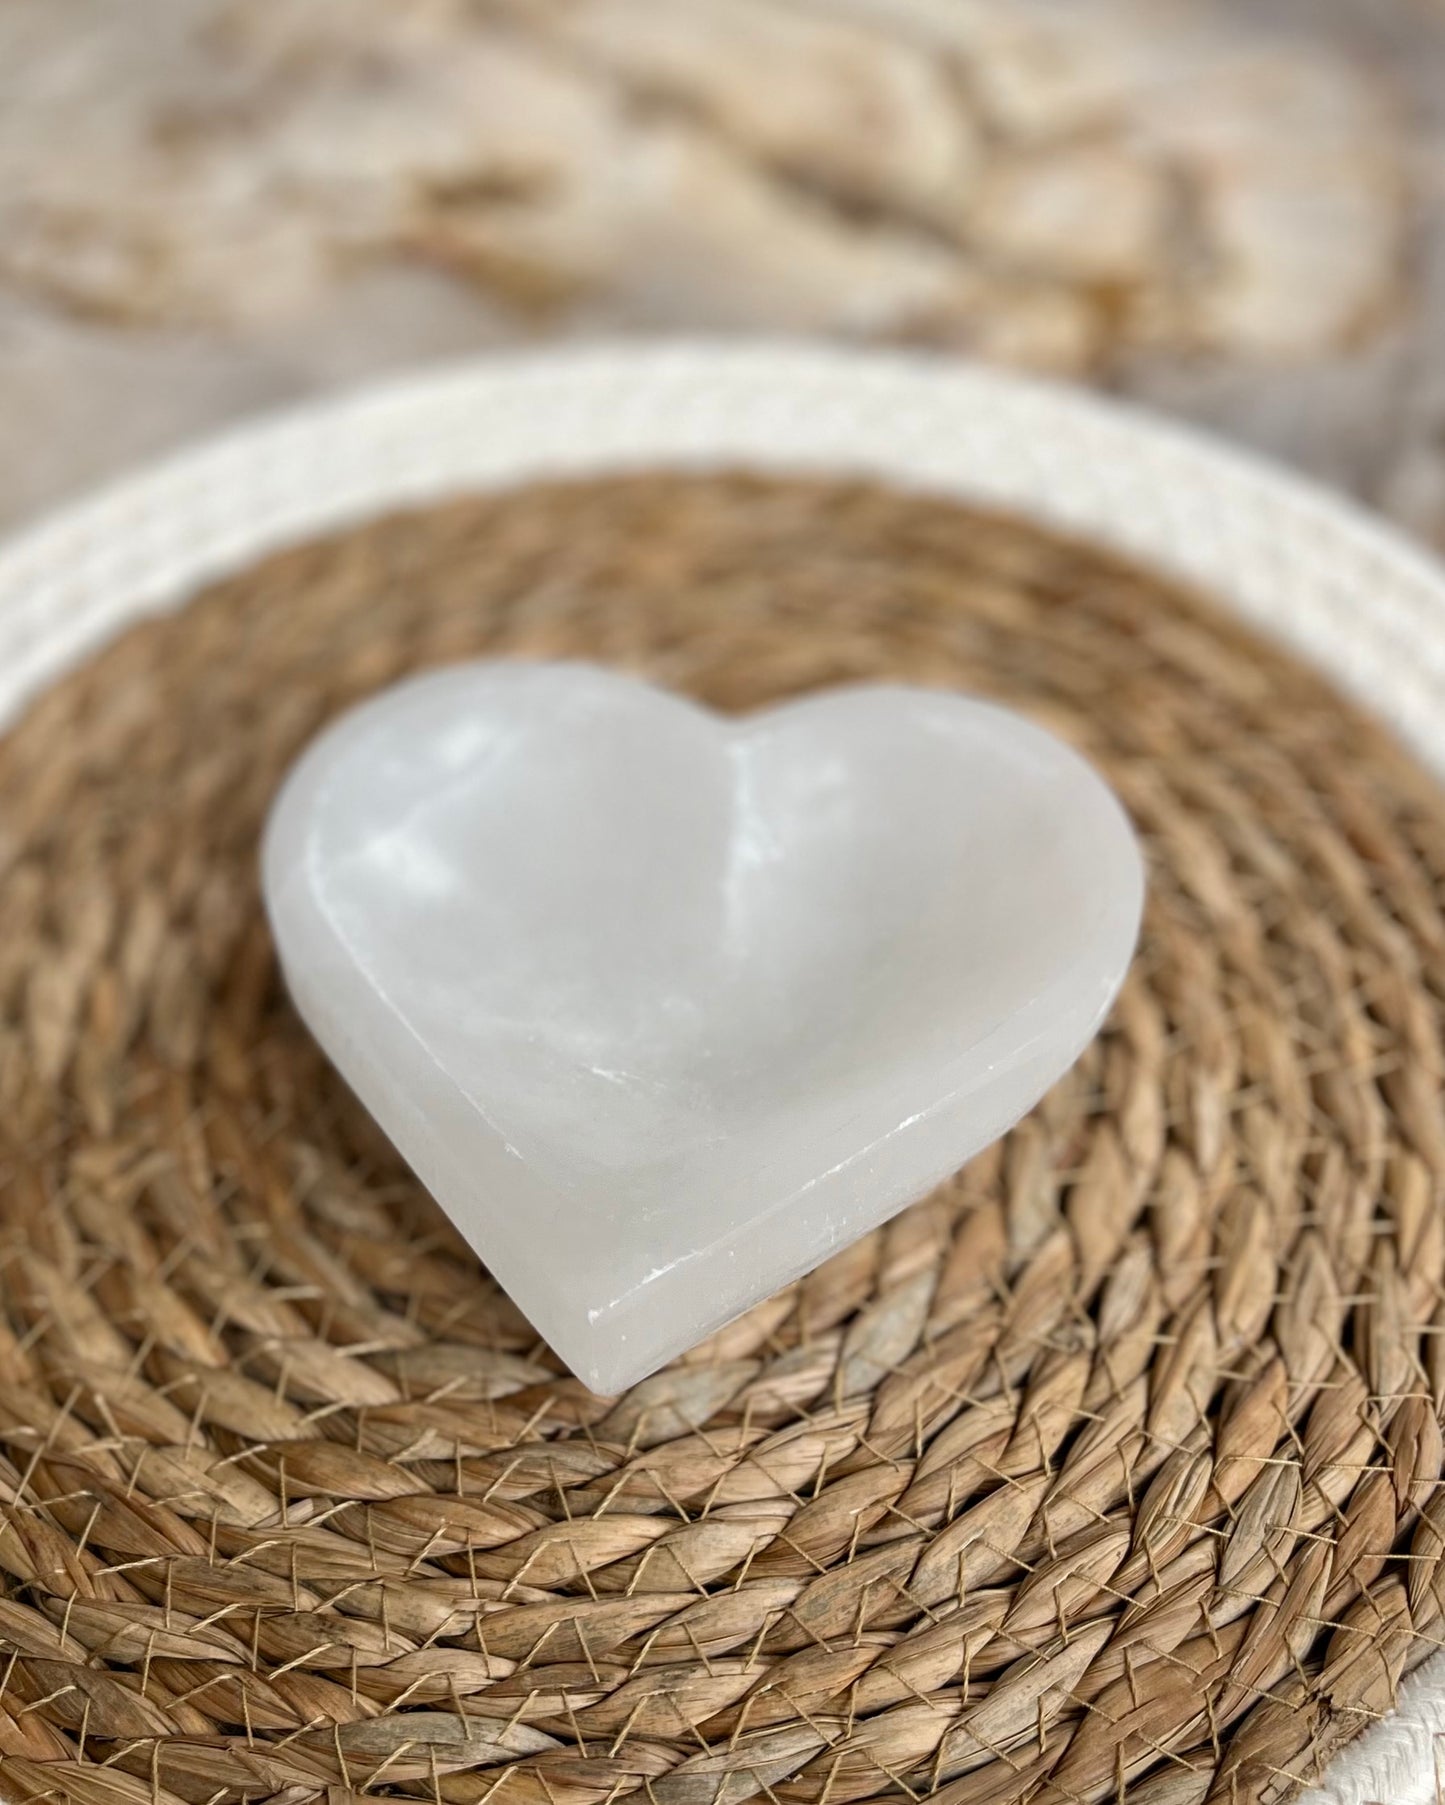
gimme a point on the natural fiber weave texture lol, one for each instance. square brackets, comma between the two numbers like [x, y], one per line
[1108, 1473]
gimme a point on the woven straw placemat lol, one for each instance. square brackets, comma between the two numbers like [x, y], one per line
[1110, 1472]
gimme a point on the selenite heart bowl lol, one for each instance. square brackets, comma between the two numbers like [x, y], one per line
[665, 1007]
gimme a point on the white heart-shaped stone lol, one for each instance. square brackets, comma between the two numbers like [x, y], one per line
[664, 1007]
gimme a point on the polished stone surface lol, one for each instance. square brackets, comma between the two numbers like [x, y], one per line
[665, 1007]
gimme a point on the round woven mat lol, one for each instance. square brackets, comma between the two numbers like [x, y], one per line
[1109, 1472]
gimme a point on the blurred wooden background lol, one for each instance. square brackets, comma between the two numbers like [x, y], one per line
[1235, 208]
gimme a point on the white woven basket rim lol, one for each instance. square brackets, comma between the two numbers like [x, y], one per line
[1352, 596]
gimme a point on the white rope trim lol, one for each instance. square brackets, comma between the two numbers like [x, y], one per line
[1399, 1761]
[1353, 597]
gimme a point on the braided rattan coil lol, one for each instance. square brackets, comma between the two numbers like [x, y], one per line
[1109, 1472]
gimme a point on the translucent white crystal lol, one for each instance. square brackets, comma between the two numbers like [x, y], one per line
[664, 1007]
